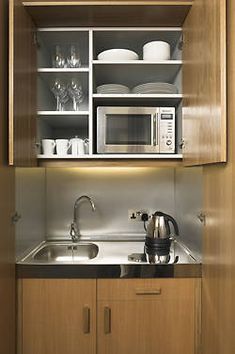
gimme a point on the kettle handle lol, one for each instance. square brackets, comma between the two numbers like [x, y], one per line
[169, 218]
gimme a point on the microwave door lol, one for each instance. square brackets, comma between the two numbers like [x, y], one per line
[133, 131]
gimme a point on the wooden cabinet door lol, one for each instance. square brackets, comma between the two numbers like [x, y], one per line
[204, 83]
[22, 86]
[147, 316]
[7, 207]
[58, 316]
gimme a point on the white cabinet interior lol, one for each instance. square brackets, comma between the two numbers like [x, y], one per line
[53, 124]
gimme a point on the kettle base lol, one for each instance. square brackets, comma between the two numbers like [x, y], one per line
[155, 259]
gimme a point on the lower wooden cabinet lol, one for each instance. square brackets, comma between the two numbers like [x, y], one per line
[146, 316]
[118, 316]
[57, 316]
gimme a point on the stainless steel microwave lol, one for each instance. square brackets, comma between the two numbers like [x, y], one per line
[135, 130]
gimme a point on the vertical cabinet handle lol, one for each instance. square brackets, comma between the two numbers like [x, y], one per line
[86, 319]
[107, 320]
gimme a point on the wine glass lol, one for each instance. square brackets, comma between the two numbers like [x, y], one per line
[60, 92]
[75, 92]
[73, 60]
[58, 60]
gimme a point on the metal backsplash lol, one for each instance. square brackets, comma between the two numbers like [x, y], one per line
[114, 191]
[45, 200]
[188, 205]
[30, 204]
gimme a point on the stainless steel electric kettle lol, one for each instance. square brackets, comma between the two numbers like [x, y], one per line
[158, 226]
[159, 237]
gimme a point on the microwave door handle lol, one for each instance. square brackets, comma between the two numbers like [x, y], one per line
[155, 130]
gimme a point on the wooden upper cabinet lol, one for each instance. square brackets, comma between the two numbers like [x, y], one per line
[204, 83]
[22, 86]
[204, 66]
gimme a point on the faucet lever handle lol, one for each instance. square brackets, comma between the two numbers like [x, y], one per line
[73, 231]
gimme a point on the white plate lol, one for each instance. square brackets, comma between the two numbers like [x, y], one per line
[158, 87]
[118, 55]
[112, 88]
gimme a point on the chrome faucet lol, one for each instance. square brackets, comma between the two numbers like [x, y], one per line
[74, 230]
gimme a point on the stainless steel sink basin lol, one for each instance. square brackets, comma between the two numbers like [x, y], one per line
[66, 253]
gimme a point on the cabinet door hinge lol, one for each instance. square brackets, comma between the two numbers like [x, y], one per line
[181, 144]
[15, 218]
[35, 39]
[181, 43]
[202, 218]
[36, 146]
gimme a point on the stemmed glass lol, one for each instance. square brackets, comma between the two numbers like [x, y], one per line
[73, 60]
[58, 60]
[60, 93]
[75, 92]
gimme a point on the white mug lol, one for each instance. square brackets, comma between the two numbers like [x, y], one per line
[62, 147]
[77, 146]
[48, 146]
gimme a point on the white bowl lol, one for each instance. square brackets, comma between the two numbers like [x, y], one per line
[118, 55]
[156, 50]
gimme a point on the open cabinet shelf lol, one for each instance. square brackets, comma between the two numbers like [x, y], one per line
[63, 113]
[63, 70]
[91, 41]
[117, 156]
[138, 62]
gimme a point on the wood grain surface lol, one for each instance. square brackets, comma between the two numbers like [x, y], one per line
[162, 323]
[111, 163]
[204, 83]
[7, 255]
[218, 286]
[100, 13]
[52, 316]
[22, 87]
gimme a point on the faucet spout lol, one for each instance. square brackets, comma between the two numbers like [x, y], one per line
[74, 230]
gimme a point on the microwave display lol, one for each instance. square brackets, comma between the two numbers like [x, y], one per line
[166, 116]
[129, 129]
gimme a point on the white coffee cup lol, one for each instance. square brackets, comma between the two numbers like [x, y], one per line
[62, 147]
[48, 146]
[77, 146]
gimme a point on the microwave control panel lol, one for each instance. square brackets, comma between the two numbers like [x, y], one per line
[166, 130]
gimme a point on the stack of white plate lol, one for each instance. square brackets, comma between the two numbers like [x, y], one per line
[155, 88]
[118, 55]
[112, 89]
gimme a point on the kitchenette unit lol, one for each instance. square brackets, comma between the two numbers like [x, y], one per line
[117, 109]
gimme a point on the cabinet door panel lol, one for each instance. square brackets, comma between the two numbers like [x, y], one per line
[22, 86]
[204, 83]
[58, 316]
[137, 321]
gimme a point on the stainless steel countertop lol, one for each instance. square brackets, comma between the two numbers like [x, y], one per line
[111, 253]
[111, 262]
